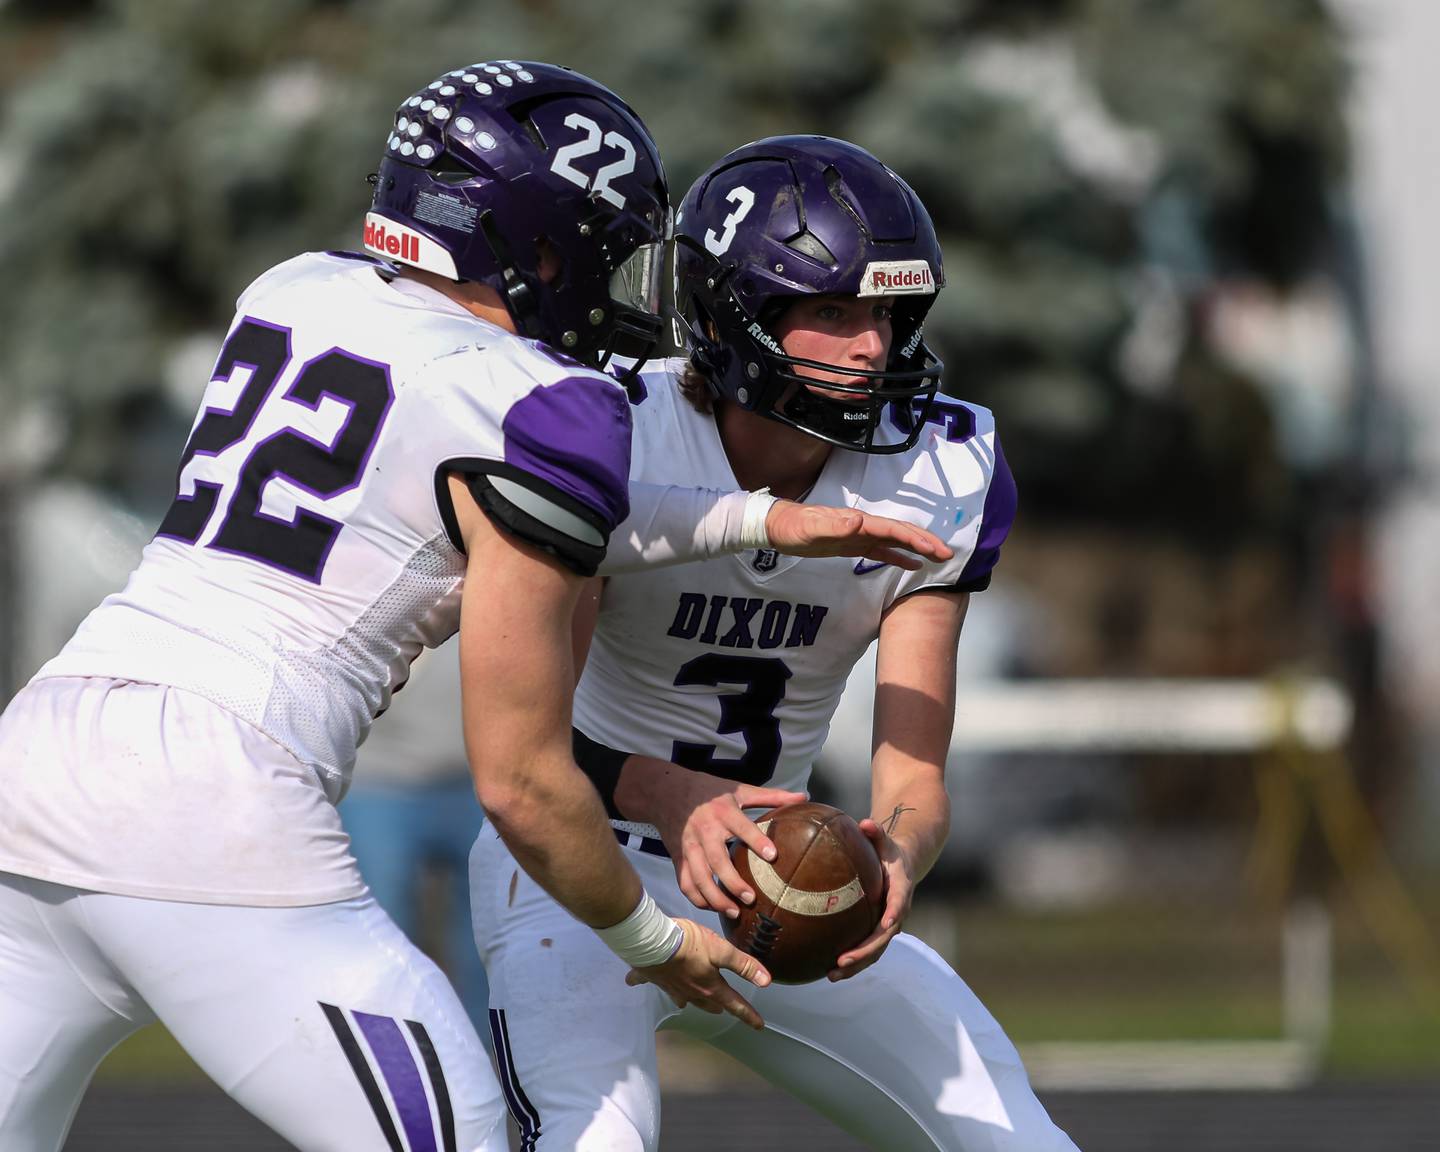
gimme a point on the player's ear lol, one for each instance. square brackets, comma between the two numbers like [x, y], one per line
[549, 262]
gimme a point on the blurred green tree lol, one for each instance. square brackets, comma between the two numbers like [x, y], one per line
[158, 156]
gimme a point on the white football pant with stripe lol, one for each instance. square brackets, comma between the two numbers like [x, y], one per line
[902, 1056]
[323, 1021]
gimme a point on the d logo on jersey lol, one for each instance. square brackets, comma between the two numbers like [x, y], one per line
[765, 559]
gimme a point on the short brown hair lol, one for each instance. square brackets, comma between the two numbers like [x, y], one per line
[696, 389]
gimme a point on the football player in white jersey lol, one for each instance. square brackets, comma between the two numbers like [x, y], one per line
[389, 450]
[804, 269]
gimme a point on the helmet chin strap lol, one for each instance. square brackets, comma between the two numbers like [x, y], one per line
[640, 332]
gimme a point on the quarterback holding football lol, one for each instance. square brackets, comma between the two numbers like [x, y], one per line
[804, 270]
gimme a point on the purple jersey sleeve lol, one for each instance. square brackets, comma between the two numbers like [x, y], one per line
[560, 480]
[995, 521]
[574, 436]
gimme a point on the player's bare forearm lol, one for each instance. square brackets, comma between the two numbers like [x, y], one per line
[914, 715]
[555, 826]
[910, 803]
[517, 677]
[909, 819]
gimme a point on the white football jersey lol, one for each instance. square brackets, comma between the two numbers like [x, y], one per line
[311, 550]
[735, 665]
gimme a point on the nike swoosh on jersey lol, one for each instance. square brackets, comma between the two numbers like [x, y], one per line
[863, 566]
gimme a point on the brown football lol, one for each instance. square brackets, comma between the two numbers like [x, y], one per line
[822, 895]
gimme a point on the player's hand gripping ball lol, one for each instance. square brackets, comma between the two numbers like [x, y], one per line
[823, 894]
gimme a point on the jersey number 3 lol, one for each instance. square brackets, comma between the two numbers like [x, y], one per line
[299, 545]
[750, 712]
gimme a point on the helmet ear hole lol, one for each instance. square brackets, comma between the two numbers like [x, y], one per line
[549, 261]
[706, 323]
[700, 320]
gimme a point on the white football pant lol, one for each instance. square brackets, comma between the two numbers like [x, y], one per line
[902, 1056]
[323, 1021]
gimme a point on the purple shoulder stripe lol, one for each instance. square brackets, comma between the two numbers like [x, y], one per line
[575, 435]
[995, 521]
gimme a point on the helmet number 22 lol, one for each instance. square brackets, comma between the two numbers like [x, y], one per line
[561, 165]
[744, 200]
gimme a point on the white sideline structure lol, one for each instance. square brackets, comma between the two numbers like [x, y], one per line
[1311, 714]
[1152, 715]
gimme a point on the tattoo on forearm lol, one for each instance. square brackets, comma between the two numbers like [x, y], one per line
[894, 818]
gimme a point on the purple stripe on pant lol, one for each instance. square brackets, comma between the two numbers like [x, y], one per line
[402, 1077]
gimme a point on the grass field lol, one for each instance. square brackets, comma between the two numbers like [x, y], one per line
[1137, 972]
[1188, 973]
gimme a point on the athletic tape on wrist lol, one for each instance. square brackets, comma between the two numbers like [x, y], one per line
[644, 938]
[753, 533]
[735, 522]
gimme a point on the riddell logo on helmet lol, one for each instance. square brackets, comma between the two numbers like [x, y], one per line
[897, 278]
[393, 240]
[765, 338]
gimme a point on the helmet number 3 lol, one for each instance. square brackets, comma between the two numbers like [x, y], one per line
[744, 200]
[591, 144]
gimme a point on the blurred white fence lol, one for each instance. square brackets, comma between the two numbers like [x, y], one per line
[1305, 716]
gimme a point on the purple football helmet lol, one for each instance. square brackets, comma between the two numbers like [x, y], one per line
[494, 169]
[794, 216]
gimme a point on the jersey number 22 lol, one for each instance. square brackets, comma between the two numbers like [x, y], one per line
[299, 545]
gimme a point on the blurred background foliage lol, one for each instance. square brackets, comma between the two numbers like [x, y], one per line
[1143, 206]
[1077, 155]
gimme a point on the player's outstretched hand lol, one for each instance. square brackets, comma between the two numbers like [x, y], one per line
[698, 815]
[899, 891]
[815, 530]
[692, 975]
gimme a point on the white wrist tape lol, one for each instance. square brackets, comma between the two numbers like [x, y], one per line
[644, 938]
[753, 533]
[735, 523]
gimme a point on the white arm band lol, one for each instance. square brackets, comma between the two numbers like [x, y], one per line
[644, 938]
[672, 525]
